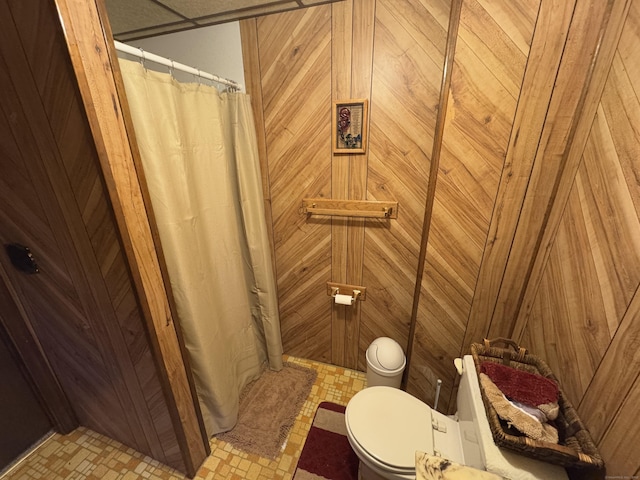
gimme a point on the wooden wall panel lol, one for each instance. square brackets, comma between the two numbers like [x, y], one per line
[410, 41]
[31, 216]
[295, 67]
[520, 169]
[592, 38]
[572, 333]
[618, 451]
[545, 55]
[15, 322]
[585, 319]
[488, 69]
[392, 54]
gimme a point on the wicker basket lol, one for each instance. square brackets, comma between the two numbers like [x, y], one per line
[575, 448]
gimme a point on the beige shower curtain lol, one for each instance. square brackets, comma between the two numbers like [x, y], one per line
[200, 160]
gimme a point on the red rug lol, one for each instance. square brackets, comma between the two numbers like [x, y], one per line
[327, 453]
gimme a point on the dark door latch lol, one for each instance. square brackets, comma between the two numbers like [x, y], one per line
[21, 258]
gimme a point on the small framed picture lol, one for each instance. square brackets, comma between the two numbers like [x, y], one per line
[350, 126]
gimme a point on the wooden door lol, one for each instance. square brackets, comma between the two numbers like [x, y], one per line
[31, 216]
[82, 304]
[23, 420]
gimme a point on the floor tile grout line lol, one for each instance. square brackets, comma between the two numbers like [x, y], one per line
[86, 454]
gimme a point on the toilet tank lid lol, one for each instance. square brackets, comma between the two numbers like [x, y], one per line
[386, 354]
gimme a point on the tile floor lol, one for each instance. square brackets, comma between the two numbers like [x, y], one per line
[84, 454]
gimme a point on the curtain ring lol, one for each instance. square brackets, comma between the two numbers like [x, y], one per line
[142, 58]
[199, 77]
[171, 68]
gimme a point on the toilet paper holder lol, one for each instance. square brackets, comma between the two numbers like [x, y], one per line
[355, 291]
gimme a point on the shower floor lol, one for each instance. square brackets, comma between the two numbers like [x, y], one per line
[84, 454]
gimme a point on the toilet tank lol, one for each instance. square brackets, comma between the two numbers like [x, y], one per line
[468, 397]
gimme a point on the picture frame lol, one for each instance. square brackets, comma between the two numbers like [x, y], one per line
[349, 126]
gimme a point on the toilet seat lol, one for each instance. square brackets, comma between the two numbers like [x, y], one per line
[381, 467]
[388, 425]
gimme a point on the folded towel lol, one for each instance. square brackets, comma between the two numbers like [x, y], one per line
[516, 417]
[523, 387]
[536, 413]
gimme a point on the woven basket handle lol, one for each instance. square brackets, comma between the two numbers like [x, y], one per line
[507, 341]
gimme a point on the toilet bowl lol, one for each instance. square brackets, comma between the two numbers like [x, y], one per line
[403, 425]
[390, 455]
[386, 426]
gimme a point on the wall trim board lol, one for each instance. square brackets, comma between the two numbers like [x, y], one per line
[341, 61]
[611, 23]
[92, 56]
[445, 87]
[545, 56]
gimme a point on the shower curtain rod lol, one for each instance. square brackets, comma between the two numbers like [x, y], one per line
[140, 53]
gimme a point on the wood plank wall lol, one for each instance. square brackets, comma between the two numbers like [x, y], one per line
[294, 90]
[83, 306]
[300, 63]
[528, 223]
[409, 48]
[585, 318]
[491, 53]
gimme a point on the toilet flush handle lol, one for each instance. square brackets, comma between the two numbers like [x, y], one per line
[458, 364]
[438, 385]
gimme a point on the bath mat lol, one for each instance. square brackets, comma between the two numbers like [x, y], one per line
[327, 453]
[268, 408]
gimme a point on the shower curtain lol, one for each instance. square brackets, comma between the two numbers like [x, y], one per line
[199, 153]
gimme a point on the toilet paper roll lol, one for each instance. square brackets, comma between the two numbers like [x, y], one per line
[344, 299]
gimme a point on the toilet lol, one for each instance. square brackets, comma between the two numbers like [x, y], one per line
[386, 426]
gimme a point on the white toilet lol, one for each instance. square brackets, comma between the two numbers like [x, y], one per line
[386, 426]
